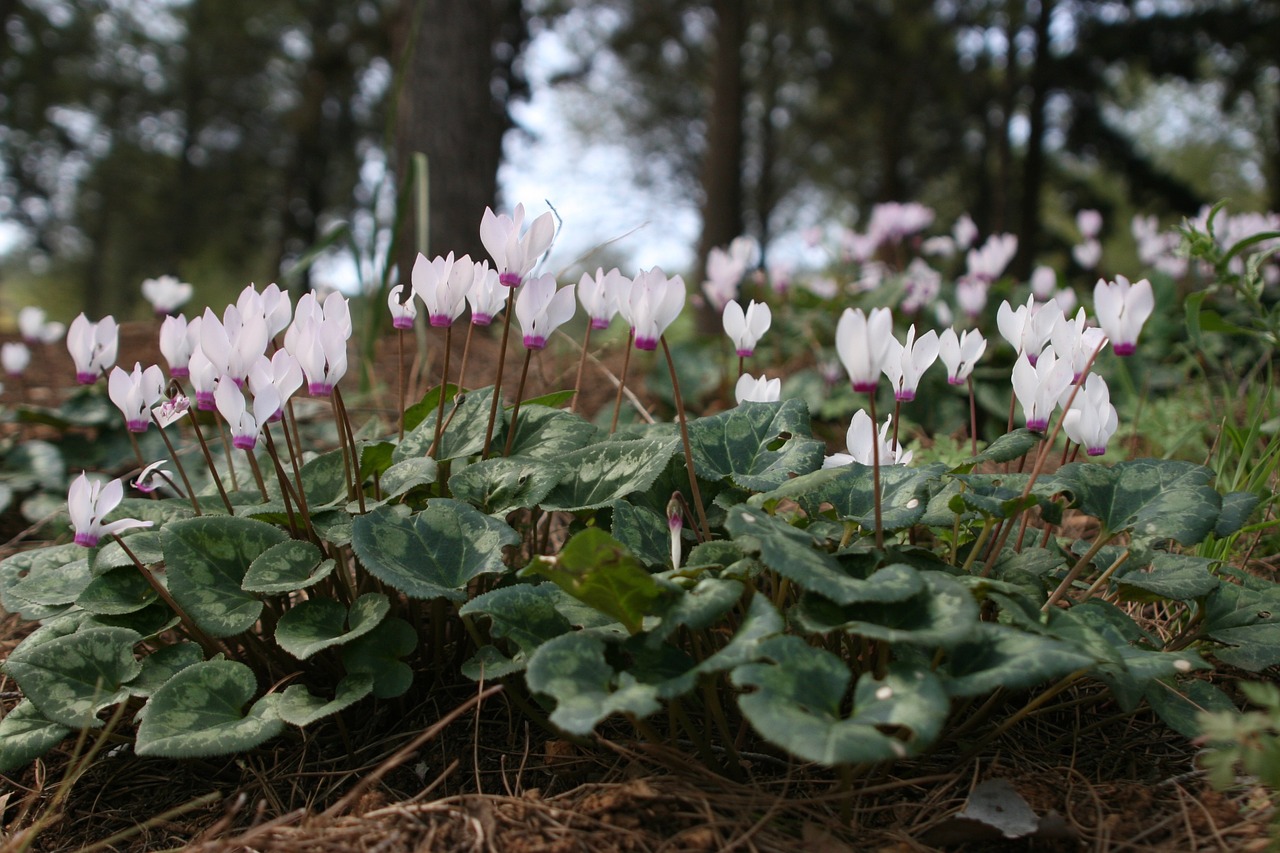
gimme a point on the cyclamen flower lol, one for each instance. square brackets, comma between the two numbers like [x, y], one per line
[600, 294]
[1039, 388]
[541, 309]
[245, 423]
[1091, 420]
[1087, 254]
[904, 364]
[745, 328]
[15, 357]
[1122, 308]
[725, 269]
[442, 285]
[1090, 223]
[233, 343]
[513, 253]
[1028, 328]
[487, 296]
[652, 305]
[93, 346]
[178, 340]
[272, 305]
[34, 329]
[859, 441]
[204, 379]
[971, 296]
[135, 393]
[152, 478]
[88, 502]
[1076, 341]
[960, 353]
[317, 338]
[166, 294]
[282, 373]
[171, 410]
[863, 344]
[989, 261]
[752, 390]
[402, 313]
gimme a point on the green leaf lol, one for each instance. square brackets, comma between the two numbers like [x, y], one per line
[206, 560]
[602, 473]
[161, 665]
[37, 464]
[757, 446]
[319, 623]
[1179, 704]
[145, 545]
[197, 713]
[375, 458]
[286, 567]
[408, 474]
[50, 585]
[552, 400]
[643, 532]
[498, 486]
[298, 707]
[1236, 509]
[1000, 656]
[572, 670]
[464, 436]
[1006, 448]
[1154, 498]
[549, 433]
[943, 614]
[1179, 577]
[117, 592]
[73, 677]
[796, 703]
[378, 653]
[434, 553]
[594, 568]
[524, 614]
[13, 570]
[791, 553]
[25, 736]
[324, 482]
[417, 413]
[850, 490]
[698, 608]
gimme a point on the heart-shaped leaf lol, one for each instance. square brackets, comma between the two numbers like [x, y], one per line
[758, 446]
[548, 433]
[73, 677]
[319, 623]
[850, 491]
[408, 474]
[1179, 577]
[643, 532]
[434, 553]
[198, 713]
[1006, 448]
[572, 670]
[286, 567]
[298, 707]
[1001, 656]
[498, 486]
[464, 434]
[1153, 498]
[15, 569]
[378, 653]
[25, 735]
[602, 473]
[1236, 509]
[117, 592]
[206, 559]
[941, 615]
[524, 614]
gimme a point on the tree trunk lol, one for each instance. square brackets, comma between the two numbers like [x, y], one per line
[1033, 166]
[722, 163]
[459, 77]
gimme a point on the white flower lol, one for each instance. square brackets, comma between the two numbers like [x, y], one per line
[1039, 388]
[233, 343]
[317, 338]
[93, 346]
[1076, 341]
[600, 294]
[1089, 222]
[652, 305]
[442, 285]
[1044, 281]
[204, 378]
[988, 262]
[752, 390]
[135, 393]
[1091, 420]
[541, 309]
[166, 293]
[960, 353]
[14, 357]
[171, 411]
[859, 441]
[151, 478]
[1029, 327]
[402, 313]
[1122, 308]
[1087, 254]
[178, 340]
[964, 232]
[746, 328]
[282, 372]
[971, 295]
[513, 253]
[893, 221]
[906, 363]
[863, 343]
[487, 295]
[88, 501]
[34, 329]
[245, 423]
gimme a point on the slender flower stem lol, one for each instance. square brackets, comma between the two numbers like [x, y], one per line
[897, 410]
[466, 350]
[257, 473]
[208, 458]
[182, 471]
[497, 382]
[1104, 536]
[973, 417]
[356, 480]
[582, 363]
[622, 382]
[211, 647]
[226, 451]
[741, 367]
[444, 383]
[515, 412]
[400, 374]
[286, 487]
[688, 448]
[875, 470]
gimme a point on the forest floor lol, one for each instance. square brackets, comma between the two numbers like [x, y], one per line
[464, 770]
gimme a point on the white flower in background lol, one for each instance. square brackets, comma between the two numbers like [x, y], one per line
[514, 254]
[971, 296]
[135, 393]
[988, 262]
[1087, 254]
[14, 358]
[1122, 309]
[282, 372]
[906, 362]
[402, 313]
[862, 343]
[93, 346]
[1039, 387]
[166, 294]
[600, 294]
[725, 270]
[822, 286]
[541, 309]
[960, 353]
[88, 502]
[965, 232]
[892, 222]
[1076, 340]
[178, 340]
[1028, 328]
[1091, 420]
[487, 295]
[780, 275]
[1156, 248]
[752, 390]
[35, 329]
[860, 440]
[745, 328]
[1044, 281]
[922, 283]
[653, 303]
[1090, 223]
[244, 422]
